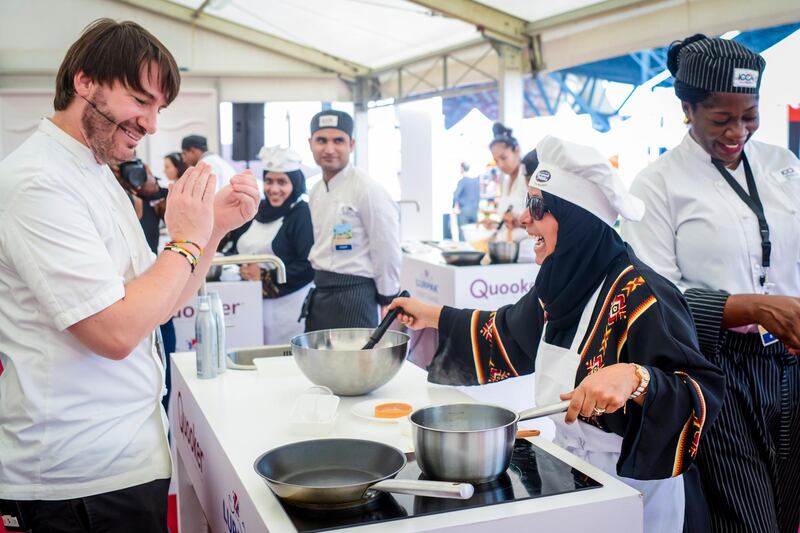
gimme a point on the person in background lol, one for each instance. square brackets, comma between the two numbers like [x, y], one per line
[529, 164]
[148, 201]
[722, 223]
[599, 328]
[174, 166]
[356, 252]
[511, 202]
[281, 227]
[83, 435]
[194, 149]
[466, 199]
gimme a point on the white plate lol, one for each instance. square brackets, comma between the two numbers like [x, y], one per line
[366, 410]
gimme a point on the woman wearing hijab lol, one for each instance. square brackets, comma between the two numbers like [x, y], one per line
[599, 328]
[722, 223]
[281, 227]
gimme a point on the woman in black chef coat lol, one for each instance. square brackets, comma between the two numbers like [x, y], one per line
[282, 227]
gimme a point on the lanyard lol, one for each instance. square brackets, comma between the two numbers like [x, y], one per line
[754, 203]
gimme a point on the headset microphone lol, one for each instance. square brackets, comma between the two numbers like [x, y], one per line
[101, 113]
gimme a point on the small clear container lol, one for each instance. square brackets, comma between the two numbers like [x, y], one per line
[314, 412]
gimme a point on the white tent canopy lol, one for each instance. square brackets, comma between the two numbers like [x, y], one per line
[381, 40]
[347, 50]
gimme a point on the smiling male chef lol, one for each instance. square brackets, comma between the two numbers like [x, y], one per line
[356, 252]
[83, 443]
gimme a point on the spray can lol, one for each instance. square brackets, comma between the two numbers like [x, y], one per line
[221, 362]
[205, 333]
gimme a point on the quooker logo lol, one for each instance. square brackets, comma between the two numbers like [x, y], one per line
[543, 176]
[230, 513]
[228, 309]
[187, 430]
[480, 288]
[426, 283]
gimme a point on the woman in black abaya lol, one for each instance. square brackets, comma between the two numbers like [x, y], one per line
[599, 328]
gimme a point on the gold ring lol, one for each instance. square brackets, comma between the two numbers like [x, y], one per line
[597, 411]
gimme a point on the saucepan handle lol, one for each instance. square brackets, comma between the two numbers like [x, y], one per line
[545, 410]
[432, 489]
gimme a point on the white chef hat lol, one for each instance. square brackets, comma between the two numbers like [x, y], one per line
[279, 159]
[581, 175]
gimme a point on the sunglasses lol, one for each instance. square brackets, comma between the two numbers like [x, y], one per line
[536, 207]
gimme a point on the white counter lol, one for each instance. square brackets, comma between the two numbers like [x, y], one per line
[221, 426]
[488, 287]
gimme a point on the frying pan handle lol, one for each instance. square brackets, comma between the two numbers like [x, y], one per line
[432, 489]
[545, 410]
[385, 323]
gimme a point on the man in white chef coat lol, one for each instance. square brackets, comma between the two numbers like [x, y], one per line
[83, 442]
[194, 148]
[356, 252]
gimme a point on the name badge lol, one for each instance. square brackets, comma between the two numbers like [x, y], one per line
[767, 338]
[342, 237]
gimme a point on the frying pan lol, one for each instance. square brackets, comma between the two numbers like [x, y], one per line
[463, 258]
[341, 471]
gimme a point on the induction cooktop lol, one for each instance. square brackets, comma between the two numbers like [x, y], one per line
[533, 473]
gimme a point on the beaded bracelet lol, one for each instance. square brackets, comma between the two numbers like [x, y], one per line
[190, 257]
[199, 248]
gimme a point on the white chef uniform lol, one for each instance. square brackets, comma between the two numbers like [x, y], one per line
[356, 229]
[72, 423]
[682, 227]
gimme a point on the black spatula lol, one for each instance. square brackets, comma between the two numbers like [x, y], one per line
[385, 323]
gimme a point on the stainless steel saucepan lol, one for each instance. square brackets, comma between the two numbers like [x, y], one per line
[333, 472]
[469, 442]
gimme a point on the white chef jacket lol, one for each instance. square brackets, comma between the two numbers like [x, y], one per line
[72, 423]
[351, 197]
[223, 170]
[514, 195]
[698, 233]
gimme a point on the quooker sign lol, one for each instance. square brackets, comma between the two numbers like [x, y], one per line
[189, 435]
[480, 288]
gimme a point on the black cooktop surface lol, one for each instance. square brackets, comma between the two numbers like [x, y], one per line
[533, 473]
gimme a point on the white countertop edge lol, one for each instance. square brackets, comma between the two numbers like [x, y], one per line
[271, 511]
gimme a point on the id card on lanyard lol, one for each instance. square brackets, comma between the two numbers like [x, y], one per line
[753, 201]
[342, 237]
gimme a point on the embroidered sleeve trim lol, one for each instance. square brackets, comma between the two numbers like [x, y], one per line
[602, 315]
[694, 425]
[476, 352]
[698, 419]
[677, 466]
[639, 311]
[502, 348]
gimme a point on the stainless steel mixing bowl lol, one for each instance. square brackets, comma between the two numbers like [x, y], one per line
[503, 252]
[334, 358]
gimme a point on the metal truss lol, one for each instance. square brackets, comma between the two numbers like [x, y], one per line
[445, 74]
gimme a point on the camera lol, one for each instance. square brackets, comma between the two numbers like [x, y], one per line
[133, 172]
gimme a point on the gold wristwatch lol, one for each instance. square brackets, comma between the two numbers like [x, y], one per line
[644, 380]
